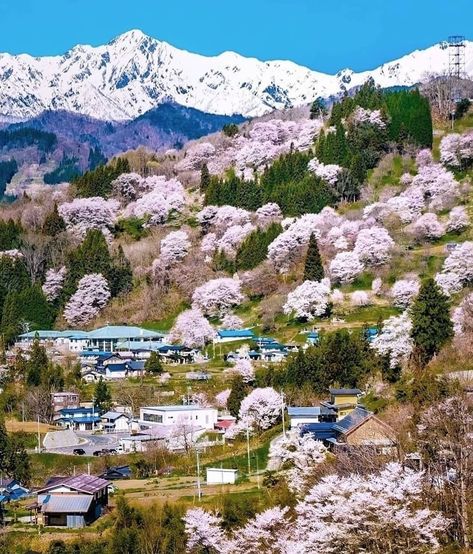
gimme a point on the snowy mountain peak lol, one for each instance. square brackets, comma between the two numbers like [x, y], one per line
[135, 72]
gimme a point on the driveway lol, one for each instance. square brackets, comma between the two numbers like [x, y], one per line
[93, 443]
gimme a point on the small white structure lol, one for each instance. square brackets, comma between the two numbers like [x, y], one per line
[115, 422]
[196, 416]
[303, 415]
[219, 476]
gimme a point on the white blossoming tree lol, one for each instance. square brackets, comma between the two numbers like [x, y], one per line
[309, 300]
[404, 291]
[346, 267]
[217, 296]
[54, 283]
[192, 329]
[92, 294]
[394, 340]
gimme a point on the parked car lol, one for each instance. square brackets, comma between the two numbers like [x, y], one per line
[78, 452]
[97, 453]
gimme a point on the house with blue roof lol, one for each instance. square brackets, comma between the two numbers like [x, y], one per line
[313, 338]
[360, 428]
[233, 335]
[79, 419]
[303, 415]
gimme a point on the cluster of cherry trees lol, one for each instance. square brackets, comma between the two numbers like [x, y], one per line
[456, 151]
[83, 214]
[354, 513]
[457, 270]
[251, 149]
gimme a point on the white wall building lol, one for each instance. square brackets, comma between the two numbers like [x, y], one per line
[219, 476]
[196, 416]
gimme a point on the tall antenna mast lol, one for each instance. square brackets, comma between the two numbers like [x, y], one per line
[456, 69]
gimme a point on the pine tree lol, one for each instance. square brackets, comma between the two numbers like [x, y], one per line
[318, 108]
[313, 268]
[102, 396]
[237, 394]
[54, 223]
[37, 364]
[204, 178]
[11, 317]
[431, 323]
[3, 445]
[153, 364]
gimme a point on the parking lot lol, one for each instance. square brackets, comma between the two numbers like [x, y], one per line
[92, 443]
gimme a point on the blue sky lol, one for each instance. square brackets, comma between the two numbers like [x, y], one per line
[327, 36]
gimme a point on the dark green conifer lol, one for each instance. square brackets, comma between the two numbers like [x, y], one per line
[313, 268]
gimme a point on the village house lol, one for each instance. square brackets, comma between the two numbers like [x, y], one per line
[115, 422]
[106, 339]
[61, 400]
[180, 414]
[342, 401]
[71, 501]
[78, 419]
[360, 428]
[309, 414]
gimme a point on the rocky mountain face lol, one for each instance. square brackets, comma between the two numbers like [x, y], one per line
[134, 73]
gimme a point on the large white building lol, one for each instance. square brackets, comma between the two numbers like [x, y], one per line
[196, 416]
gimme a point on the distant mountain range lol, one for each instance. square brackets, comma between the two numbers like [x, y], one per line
[135, 73]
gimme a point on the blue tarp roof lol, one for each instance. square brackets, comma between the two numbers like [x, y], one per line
[235, 333]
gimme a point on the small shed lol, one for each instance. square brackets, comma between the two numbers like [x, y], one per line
[219, 476]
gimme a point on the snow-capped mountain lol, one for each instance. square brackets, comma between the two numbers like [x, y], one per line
[134, 73]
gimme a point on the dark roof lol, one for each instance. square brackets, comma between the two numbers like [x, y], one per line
[342, 392]
[352, 420]
[88, 484]
[117, 472]
[76, 410]
[320, 431]
[136, 365]
[116, 367]
[7, 482]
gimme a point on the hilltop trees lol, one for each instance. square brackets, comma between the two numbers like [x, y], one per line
[431, 323]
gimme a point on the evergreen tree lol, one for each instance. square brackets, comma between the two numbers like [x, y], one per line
[11, 317]
[18, 462]
[204, 178]
[54, 223]
[431, 323]
[102, 396]
[35, 309]
[120, 274]
[313, 268]
[3, 445]
[237, 394]
[318, 108]
[37, 364]
[153, 364]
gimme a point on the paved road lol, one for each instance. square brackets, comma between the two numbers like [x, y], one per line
[94, 442]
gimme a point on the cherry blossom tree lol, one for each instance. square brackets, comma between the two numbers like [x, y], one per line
[192, 329]
[196, 155]
[233, 238]
[127, 186]
[458, 220]
[449, 282]
[54, 283]
[226, 216]
[394, 340]
[424, 157]
[204, 532]
[367, 514]
[217, 296]
[328, 173]
[268, 213]
[437, 184]
[337, 297]
[428, 226]
[456, 150]
[231, 321]
[299, 453]
[404, 291]
[164, 198]
[83, 214]
[221, 398]
[346, 267]
[209, 244]
[309, 300]
[174, 248]
[462, 316]
[460, 262]
[92, 294]
[245, 369]
[260, 409]
[368, 117]
[377, 286]
[360, 298]
[373, 246]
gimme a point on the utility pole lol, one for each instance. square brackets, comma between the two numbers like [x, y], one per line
[248, 448]
[199, 490]
[282, 414]
[39, 438]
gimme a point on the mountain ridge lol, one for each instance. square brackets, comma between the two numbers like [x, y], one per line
[134, 73]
